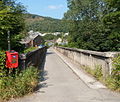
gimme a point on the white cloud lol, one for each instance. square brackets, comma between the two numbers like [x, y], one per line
[55, 7]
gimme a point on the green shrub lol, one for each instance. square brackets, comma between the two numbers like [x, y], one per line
[116, 70]
[110, 82]
[19, 85]
[97, 72]
[29, 49]
[2, 64]
[113, 81]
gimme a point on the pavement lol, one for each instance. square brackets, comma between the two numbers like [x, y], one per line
[75, 67]
[61, 83]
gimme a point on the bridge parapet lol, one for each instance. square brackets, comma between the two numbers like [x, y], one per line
[90, 59]
[35, 58]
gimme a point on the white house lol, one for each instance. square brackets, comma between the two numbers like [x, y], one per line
[59, 41]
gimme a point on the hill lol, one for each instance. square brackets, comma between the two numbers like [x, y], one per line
[44, 24]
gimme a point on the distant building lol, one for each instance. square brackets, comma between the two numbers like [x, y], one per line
[56, 33]
[59, 41]
[33, 39]
[66, 34]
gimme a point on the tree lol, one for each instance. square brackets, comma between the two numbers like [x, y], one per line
[11, 19]
[112, 25]
[84, 22]
[49, 37]
[93, 24]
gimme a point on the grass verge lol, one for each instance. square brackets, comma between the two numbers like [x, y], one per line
[19, 85]
[111, 81]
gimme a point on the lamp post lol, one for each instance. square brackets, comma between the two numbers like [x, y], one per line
[9, 41]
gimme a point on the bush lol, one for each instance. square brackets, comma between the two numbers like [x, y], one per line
[29, 49]
[2, 64]
[19, 85]
[97, 72]
[113, 81]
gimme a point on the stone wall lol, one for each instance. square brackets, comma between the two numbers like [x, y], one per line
[91, 59]
[35, 58]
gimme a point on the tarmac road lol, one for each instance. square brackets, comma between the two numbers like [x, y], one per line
[61, 84]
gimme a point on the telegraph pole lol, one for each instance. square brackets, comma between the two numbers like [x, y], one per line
[8, 40]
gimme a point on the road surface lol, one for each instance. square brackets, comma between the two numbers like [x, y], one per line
[60, 84]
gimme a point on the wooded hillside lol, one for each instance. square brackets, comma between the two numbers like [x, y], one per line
[44, 24]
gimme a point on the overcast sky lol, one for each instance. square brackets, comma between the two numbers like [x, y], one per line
[49, 8]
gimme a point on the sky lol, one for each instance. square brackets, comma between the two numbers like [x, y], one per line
[48, 8]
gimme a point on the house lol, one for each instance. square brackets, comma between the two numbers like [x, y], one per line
[32, 40]
[59, 41]
[37, 40]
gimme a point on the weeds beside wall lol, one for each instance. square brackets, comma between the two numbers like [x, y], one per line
[97, 72]
[19, 85]
[23, 80]
[113, 81]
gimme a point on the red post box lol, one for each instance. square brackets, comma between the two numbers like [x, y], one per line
[11, 59]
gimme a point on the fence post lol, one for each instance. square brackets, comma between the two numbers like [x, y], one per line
[23, 59]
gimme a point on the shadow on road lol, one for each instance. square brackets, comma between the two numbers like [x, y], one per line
[42, 83]
[43, 75]
[49, 53]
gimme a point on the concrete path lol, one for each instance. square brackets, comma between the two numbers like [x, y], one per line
[60, 84]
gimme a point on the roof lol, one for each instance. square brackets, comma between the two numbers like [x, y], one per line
[31, 36]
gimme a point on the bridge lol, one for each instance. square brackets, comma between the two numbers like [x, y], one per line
[60, 83]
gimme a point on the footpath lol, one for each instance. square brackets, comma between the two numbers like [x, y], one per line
[61, 84]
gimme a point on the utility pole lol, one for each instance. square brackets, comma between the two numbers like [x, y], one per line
[8, 40]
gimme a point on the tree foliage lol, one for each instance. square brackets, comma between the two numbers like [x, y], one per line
[93, 24]
[11, 19]
[49, 37]
[112, 23]
[44, 24]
